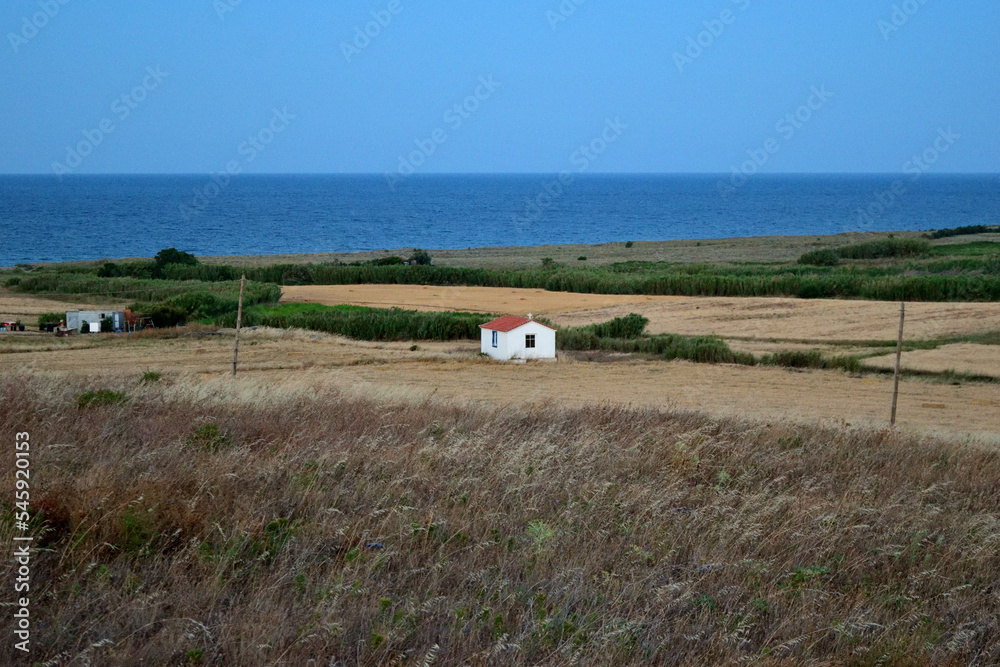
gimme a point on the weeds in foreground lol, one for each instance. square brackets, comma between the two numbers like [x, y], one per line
[377, 532]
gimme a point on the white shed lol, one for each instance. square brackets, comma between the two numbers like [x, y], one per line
[510, 337]
[89, 321]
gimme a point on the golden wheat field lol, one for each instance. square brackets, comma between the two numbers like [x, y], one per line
[790, 319]
[965, 358]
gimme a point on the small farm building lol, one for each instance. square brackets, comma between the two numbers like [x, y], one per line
[89, 321]
[510, 337]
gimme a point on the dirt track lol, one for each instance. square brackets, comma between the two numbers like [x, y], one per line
[796, 319]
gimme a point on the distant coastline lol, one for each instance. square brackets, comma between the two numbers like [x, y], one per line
[752, 249]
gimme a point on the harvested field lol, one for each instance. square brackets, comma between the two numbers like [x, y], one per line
[762, 318]
[959, 357]
[454, 370]
[501, 300]
[27, 308]
[801, 319]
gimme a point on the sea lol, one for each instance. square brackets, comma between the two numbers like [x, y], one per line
[48, 219]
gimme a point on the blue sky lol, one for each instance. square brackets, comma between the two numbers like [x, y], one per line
[556, 73]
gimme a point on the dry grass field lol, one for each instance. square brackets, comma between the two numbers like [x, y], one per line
[454, 370]
[959, 357]
[280, 520]
[763, 318]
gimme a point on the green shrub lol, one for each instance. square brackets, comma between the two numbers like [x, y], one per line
[816, 289]
[150, 377]
[961, 231]
[209, 437]
[700, 349]
[630, 326]
[295, 275]
[579, 339]
[109, 270]
[796, 359]
[885, 248]
[50, 318]
[100, 398]
[165, 317]
[811, 359]
[705, 350]
[174, 256]
[420, 257]
[825, 257]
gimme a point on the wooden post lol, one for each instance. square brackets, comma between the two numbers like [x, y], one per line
[899, 355]
[239, 321]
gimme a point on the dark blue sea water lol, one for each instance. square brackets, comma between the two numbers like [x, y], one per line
[94, 217]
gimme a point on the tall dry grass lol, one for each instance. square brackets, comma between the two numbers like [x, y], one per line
[200, 524]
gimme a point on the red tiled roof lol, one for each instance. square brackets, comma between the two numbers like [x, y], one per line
[509, 323]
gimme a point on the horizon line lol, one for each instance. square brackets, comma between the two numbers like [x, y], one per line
[502, 173]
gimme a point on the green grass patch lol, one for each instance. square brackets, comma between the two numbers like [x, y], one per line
[825, 257]
[292, 309]
[887, 248]
[210, 438]
[974, 249]
[100, 398]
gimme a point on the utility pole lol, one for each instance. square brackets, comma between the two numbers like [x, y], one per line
[899, 356]
[239, 321]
